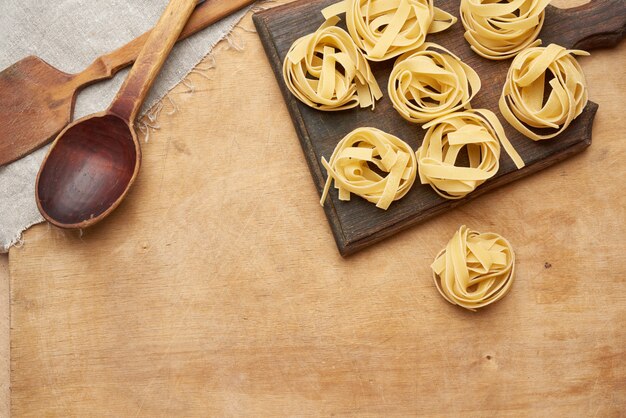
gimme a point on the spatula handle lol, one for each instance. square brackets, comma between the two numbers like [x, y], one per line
[149, 62]
[597, 24]
[205, 14]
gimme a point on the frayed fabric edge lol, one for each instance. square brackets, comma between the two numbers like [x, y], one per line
[155, 108]
[17, 241]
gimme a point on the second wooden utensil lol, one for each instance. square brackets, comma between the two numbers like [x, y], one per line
[37, 100]
[94, 161]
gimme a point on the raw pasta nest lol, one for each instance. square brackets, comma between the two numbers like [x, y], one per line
[476, 130]
[499, 30]
[384, 29]
[430, 83]
[474, 270]
[522, 102]
[360, 158]
[326, 71]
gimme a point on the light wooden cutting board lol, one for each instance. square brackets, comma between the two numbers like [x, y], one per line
[216, 288]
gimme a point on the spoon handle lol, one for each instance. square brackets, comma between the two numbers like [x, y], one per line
[149, 62]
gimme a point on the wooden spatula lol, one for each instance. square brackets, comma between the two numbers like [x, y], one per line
[37, 100]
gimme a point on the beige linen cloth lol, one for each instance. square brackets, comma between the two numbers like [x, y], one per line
[70, 34]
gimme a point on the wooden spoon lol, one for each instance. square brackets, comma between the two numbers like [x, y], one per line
[37, 100]
[94, 161]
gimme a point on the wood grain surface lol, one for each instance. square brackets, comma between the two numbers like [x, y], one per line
[358, 223]
[5, 366]
[216, 288]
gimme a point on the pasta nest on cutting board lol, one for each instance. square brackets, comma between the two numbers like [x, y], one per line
[372, 164]
[477, 132]
[385, 29]
[534, 73]
[499, 30]
[431, 82]
[326, 71]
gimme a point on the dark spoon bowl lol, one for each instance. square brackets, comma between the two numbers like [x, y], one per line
[94, 161]
[88, 171]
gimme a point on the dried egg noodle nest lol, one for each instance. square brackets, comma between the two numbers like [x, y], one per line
[326, 71]
[430, 83]
[474, 270]
[522, 102]
[477, 130]
[350, 167]
[499, 30]
[387, 28]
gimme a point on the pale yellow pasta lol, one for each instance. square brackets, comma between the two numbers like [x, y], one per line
[353, 166]
[498, 29]
[525, 103]
[384, 29]
[326, 71]
[474, 270]
[431, 82]
[479, 132]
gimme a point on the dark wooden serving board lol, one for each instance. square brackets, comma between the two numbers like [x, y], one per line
[358, 223]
